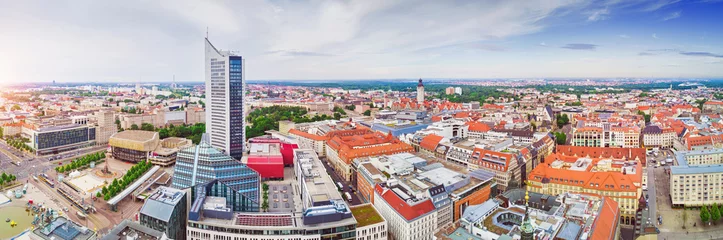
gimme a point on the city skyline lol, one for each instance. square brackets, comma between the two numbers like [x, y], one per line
[124, 42]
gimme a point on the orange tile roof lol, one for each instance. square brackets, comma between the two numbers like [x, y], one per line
[602, 152]
[703, 140]
[308, 135]
[604, 181]
[430, 142]
[479, 153]
[606, 222]
[352, 144]
[475, 126]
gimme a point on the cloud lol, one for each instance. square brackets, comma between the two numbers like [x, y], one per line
[597, 15]
[672, 15]
[646, 54]
[580, 46]
[623, 36]
[659, 4]
[655, 35]
[663, 50]
[297, 53]
[702, 54]
[135, 38]
[488, 47]
[543, 44]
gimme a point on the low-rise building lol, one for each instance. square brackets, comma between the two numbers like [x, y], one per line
[133, 230]
[63, 228]
[657, 137]
[520, 215]
[133, 145]
[619, 178]
[165, 211]
[370, 225]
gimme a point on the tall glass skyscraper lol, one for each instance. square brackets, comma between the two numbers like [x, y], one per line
[203, 164]
[224, 100]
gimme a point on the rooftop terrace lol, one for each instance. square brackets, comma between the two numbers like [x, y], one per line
[366, 215]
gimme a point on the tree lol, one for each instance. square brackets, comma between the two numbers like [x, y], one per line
[15, 108]
[560, 138]
[4, 177]
[715, 213]
[265, 205]
[700, 103]
[350, 107]
[134, 127]
[367, 112]
[704, 214]
[562, 120]
[98, 195]
[265, 187]
[147, 127]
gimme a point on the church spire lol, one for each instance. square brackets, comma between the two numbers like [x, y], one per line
[526, 228]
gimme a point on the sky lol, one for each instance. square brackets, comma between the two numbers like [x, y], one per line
[150, 41]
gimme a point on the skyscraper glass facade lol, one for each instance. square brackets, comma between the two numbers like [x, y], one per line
[203, 163]
[236, 97]
[224, 100]
[58, 139]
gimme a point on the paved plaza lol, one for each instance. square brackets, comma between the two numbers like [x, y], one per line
[87, 183]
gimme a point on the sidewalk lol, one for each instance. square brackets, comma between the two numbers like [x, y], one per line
[713, 234]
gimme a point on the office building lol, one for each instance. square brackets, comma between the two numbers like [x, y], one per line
[165, 211]
[106, 126]
[268, 156]
[313, 210]
[56, 139]
[203, 163]
[224, 100]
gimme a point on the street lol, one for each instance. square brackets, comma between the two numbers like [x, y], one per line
[356, 200]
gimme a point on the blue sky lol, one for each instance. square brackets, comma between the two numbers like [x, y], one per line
[136, 41]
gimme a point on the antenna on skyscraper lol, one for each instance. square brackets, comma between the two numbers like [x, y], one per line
[206, 32]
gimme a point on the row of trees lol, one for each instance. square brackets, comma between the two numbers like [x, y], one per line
[6, 178]
[19, 143]
[107, 192]
[81, 162]
[193, 132]
[265, 203]
[712, 215]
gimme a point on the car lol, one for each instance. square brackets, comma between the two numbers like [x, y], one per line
[645, 186]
